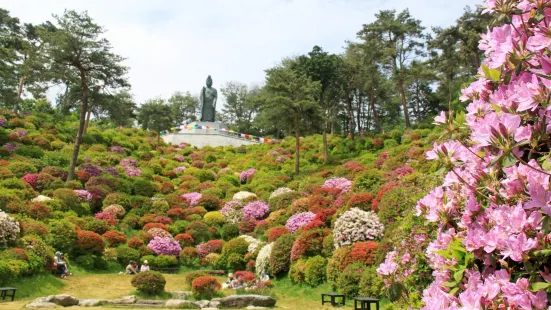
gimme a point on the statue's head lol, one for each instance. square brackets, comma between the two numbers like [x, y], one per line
[209, 81]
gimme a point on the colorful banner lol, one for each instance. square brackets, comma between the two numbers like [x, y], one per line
[206, 127]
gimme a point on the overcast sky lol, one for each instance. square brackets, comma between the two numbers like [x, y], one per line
[173, 45]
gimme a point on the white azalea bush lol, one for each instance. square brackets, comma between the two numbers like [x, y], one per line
[263, 259]
[356, 225]
[280, 191]
[243, 195]
[253, 243]
[9, 230]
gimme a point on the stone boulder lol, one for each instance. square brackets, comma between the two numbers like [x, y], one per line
[214, 304]
[90, 302]
[41, 304]
[63, 300]
[203, 303]
[181, 294]
[242, 301]
[181, 304]
[126, 300]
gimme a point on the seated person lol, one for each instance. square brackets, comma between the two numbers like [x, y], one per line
[145, 266]
[61, 264]
[131, 268]
[230, 282]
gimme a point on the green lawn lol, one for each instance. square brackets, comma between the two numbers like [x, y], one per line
[108, 286]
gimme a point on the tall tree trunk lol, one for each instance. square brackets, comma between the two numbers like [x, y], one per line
[373, 110]
[89, 113]
[359, 112]
[349, 115]
[158, 139]
[19, 93]
[297, 144]
[404, 103]
[78, 139]
[324, 130]
[417, 103]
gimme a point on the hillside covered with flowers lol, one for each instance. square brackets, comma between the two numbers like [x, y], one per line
[225, 208]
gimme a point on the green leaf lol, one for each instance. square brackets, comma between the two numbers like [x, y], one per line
[507, 78]
[492, 74]
[395, 291]
[546, 164]
[509, 161]
[458, 276]
[454, 291]
[546, 224]
[543, 253]
[538, 286]
[450, 284]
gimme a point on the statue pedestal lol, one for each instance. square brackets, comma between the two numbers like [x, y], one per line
[203, 137]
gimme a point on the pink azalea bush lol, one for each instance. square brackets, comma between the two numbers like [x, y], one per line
[116, 210]
[31, 179]
[298, 220]
[356, 225]
[343, 184]
[193, 198]
[84, 195]
[493, 208]
[165, 246]
[246, 175]
[256, 209]
[9, 230]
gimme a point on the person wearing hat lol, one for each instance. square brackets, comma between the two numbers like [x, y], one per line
[229, 283]
[145, 266]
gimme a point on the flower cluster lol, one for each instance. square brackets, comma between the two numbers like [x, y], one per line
[92, 170]
[263, 259]
[243, 195]
[9, 230]
[116, 210]
[41, 198]
[253, 243]
[31, 179]
[10, 147]
[112, 171]
[20, 132]
[345, 185]
[231, 206]
[192, 198]
[179, 169]
[246, 175]
[256, 209]
[212, 246]
[165, 246]
[179, 157]
[130, 166]
[128, 162]
[117, 149]
[84, 195]
[159, 232]
[108, 217]
[280, 191]
[3, 122]
[298, 220]
[495, 197]
[356, 225]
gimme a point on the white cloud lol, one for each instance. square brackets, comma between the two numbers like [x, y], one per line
[173, 45]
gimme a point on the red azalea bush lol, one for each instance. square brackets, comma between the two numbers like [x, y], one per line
[212, 246]
[38, 210]
[364, 252]
[185, 240]
[110, 218]
[247, 225]
[360, 201]
[163, 220]
[31, 227]
[135, 242]
[309, 243]
[114, 238]
[176, 213]
[148, 226]
[325, 215]
[205, 287]
[275, 232]
[245, 277]
[147, 218]
[380, 194]
[89, 242]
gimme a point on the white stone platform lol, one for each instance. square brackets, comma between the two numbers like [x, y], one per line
[206, 137]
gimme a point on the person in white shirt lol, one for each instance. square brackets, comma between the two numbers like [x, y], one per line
[145, 266]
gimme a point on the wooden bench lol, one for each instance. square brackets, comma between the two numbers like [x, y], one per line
[333, 299]
[5, 290]
[365, 303]
[166, 269]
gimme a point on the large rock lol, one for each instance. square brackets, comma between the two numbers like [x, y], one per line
[126, 300]
[242, 301]
[214, 304]
[41, 304]
[203, 303]
[181, 294]
[90, 302]
[63, 300]
[181, 304]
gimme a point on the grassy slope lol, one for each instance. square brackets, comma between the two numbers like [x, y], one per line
[83, 285]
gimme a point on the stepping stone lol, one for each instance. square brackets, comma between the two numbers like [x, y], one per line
[41, 304]
[179, 303]
[90, 302]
